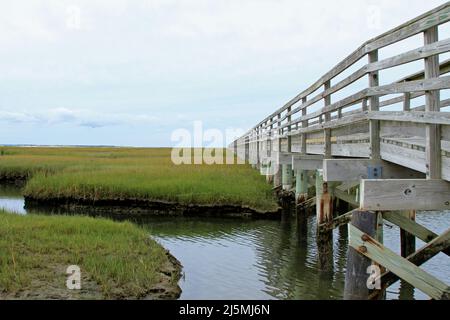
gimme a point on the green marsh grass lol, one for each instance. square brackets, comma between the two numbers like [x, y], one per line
[134, 173]
[119, 257]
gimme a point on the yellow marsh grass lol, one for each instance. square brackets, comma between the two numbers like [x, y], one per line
[134, 173]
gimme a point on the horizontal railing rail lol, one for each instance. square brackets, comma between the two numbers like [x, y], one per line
[297, 118]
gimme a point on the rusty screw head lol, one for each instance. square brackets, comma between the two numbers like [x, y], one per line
[365, 237]
[362, 249]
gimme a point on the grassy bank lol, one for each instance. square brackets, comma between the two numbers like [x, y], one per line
[125, 173]
[117, 260]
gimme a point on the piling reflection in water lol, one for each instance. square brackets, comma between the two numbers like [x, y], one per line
[284, 258]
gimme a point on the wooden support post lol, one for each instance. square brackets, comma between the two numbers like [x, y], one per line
[432, 103]
[279, 133]
[289, 141]
[379, 236]
[270, 139]
[324, 214]
[287, 176]
[304, 125]
[277, 175]
[374, 102]
[356, 276]
[277, 172]
[407, 102]
[247, 149]
[327, 132]
[301, 186]
[364, 105]
[327, 145]
[258, 136]
[252, 156]
[407, 240]
[269, 172]
[301, 195]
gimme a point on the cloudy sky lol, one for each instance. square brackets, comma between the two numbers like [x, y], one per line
[110, 72]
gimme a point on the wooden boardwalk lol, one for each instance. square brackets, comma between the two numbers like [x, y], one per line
[384, 149]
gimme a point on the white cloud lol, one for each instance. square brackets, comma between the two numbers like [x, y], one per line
[83, 118]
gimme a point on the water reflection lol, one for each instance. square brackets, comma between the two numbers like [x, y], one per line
[252, 259]
[248, 259]
[11, 199]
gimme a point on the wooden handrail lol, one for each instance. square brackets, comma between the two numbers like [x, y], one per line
[282, 119]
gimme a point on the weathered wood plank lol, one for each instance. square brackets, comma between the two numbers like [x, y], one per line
[409, 158]
[432, 248]
[282, 158]
[445, 168]
[346, 185]
[345, 120]
[356, 169]
[434, 17]
[356, 150]
[412, 227]
[427, 84]
[412, 116]
[404, 31]
[338, 221]
[372, 249]
[349, 198]
[394, 88]
[408, 194]
[307, 164]
[410, 56]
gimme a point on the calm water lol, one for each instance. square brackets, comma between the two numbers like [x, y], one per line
[246, 259]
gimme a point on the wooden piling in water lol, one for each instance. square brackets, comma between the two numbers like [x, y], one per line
[301, 186]
[407, 240]
[287, 176]
[356, 275]
[324, 214]
[277, 175]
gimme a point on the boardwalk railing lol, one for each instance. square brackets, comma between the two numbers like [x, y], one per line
[392, 139]
[297, 127]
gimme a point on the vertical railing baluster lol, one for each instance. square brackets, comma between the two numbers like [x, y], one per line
[327, 131]
[407, 101]
[304, 125]
[374, 103]
[432, 103]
